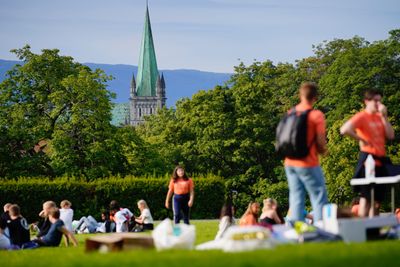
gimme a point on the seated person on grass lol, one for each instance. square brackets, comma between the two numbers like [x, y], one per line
[145, 220]
[250, 216]
[269, 215]
[226, 220]
[18, 227]
[56, 231]
[121, 217]
[44, 224]
[66, 214]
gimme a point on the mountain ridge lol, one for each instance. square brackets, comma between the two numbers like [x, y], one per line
[179, 83]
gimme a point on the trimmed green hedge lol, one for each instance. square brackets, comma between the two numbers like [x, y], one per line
[89, 198]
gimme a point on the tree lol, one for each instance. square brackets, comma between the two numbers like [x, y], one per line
[142, 158]
[55, 114]
[356, 66]
[230, 130]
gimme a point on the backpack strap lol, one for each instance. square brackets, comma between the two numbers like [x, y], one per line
[293, 109]
[314, 140]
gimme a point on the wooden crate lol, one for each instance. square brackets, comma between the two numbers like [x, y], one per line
[119, 241]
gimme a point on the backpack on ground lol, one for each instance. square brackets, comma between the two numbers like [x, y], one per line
[291, 135]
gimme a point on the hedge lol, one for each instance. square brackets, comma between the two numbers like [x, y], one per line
[89, 198]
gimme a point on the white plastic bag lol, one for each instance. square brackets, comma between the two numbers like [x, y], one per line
[169, 236]
[239, 238]
[213, 244]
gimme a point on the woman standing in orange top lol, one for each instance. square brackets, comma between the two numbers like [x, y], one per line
[182, 187]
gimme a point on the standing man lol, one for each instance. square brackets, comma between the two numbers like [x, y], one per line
[305, 174]
[371, 128]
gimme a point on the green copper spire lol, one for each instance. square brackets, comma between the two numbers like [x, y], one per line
[147, 68]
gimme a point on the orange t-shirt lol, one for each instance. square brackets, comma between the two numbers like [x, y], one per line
[181, 187]
[369, 127]
[315, 125]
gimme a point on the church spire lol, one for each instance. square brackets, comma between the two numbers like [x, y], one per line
[133, 85]
[147, 68]
[162, 81]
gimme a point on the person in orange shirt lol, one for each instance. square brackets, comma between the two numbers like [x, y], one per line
[305, 174]
[182, 188]
[371, 128]
[250, 216]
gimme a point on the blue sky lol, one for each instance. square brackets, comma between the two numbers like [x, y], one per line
[210, 35]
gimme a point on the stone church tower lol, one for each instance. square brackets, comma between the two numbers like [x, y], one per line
[147, 92]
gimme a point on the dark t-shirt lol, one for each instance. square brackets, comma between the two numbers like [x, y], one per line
[54, 235]
[44, 227]
[3, 220]
[19, 231]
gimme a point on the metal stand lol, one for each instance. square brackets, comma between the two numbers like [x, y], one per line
[391, 180]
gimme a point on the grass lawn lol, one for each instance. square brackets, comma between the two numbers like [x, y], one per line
[377, 253]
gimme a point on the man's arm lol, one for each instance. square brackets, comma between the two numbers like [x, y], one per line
[321, 144]
[69, 235]
[66, 241]
[349, 130]
[389, 132]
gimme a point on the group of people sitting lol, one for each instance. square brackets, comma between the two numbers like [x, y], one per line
[270, 215]
[117, 219]
[15, 232]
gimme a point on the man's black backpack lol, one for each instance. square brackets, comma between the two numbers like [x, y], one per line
[291, 135]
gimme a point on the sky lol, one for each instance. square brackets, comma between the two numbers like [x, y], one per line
[208, 35]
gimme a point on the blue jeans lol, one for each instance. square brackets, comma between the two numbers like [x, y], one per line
[303, 179]
[181, 204]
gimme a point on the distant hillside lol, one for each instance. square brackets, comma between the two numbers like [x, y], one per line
[179, 83]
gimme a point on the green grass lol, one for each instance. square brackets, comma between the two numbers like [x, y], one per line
[378, 253]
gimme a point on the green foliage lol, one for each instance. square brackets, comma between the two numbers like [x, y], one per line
[355, 66]
[89, 198]
[55, 120]
[230, 130]
[58, 102]
[339, 165]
